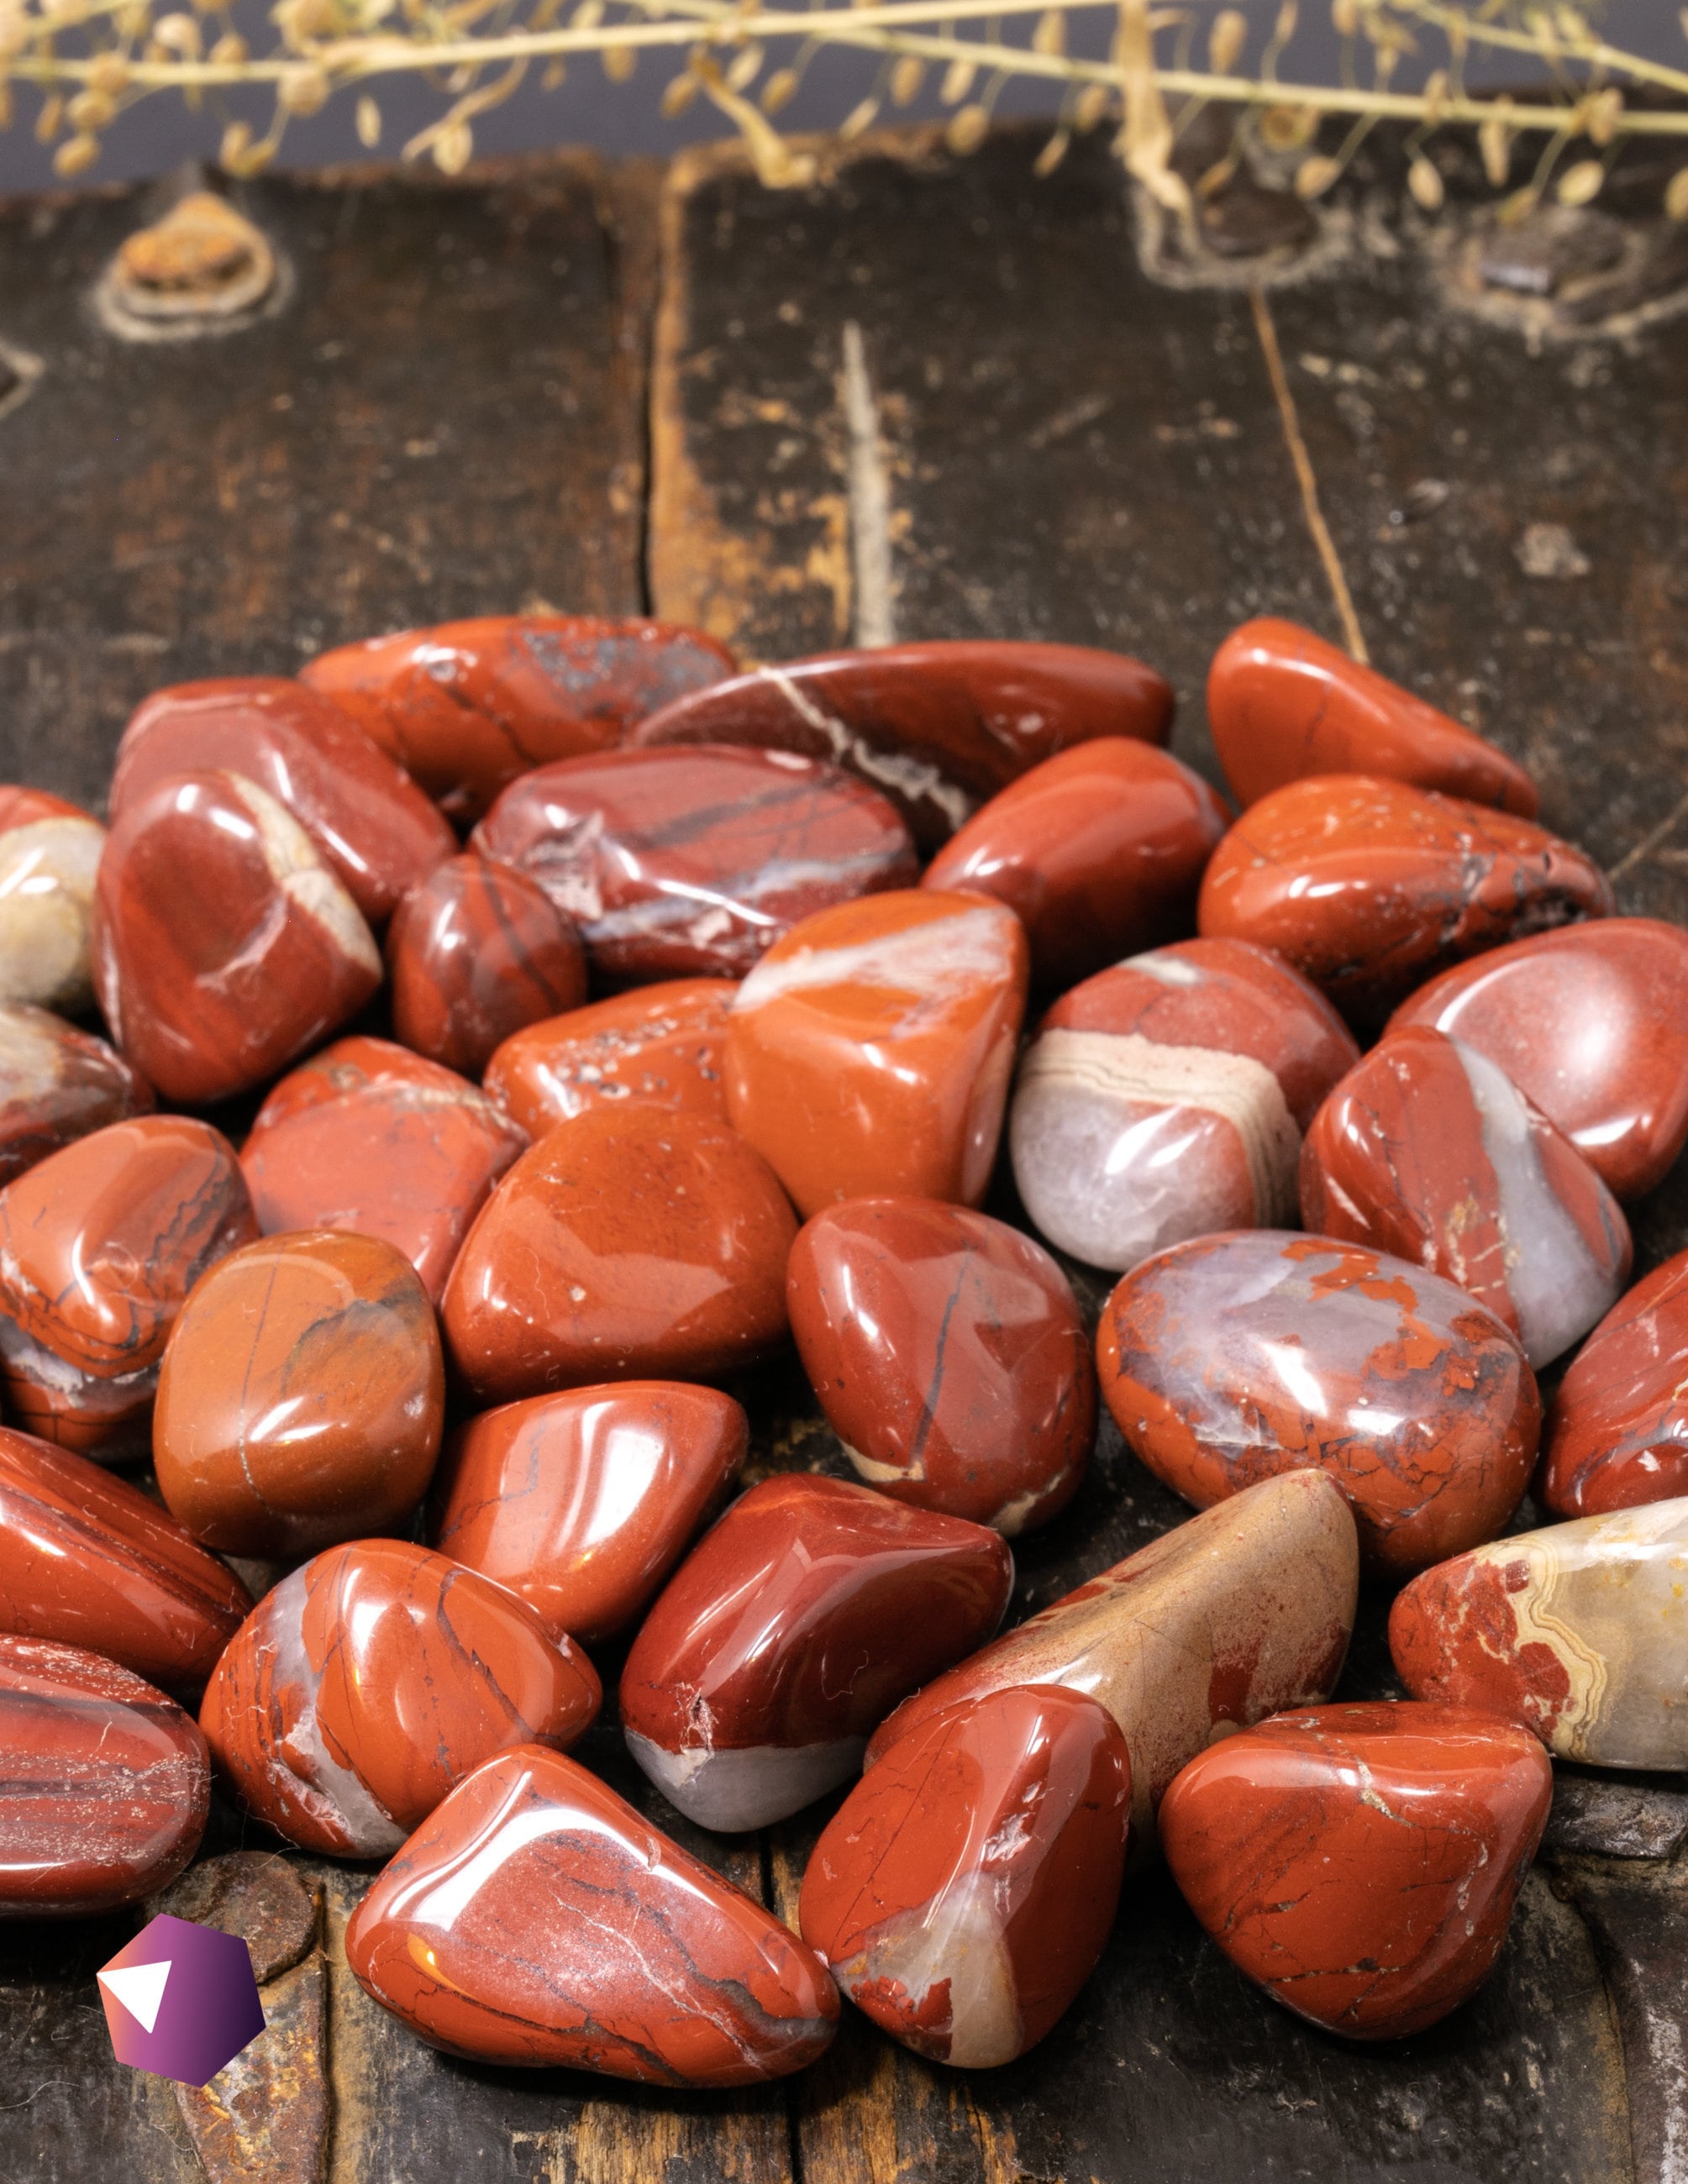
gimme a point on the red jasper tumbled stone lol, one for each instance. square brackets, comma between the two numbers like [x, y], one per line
[948, 1353]
[938, 728]
[582, 1502]
[99, 1245]
[627, 1244]
[474, 954]
[88, 1560]
[107, 1783]
[1591, 1022]
[1616, 1433]
[374, 1677]
[466, 706]
[57, 1084]
[1428, 1150]
[1282, 703]
[735, 1700]
[369, 1137]
[869, 1053]
[963, 1891]
[366, 816]
[1166, 1096]
[1232, 1357]
[1100, 851]
[693, 862]
[1360, 1863]
[660, 1045]
[223, 944]
[644, 1964]
[1368, 886]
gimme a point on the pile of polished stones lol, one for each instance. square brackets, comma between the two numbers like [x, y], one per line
[518, 1032]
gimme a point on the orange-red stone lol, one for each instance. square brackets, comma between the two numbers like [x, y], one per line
[366, 816]
[691, 862]
[1616, 1433]
[301, 1398]
[374, 1677]
[99, 1245]
[370, 1137]
[1427, 1150]
[1282, 703]
[474, 954]
[107, 1783]
[223, 944]
[1360, 1863]
[1100, 851]
[1232, 1358]
[737, 1699]
[582, 1502]
[948, 1353]
[635, 1243]
[938, 728]
[1369, 886]
[88, 1560]
[646, 1964]
[869, 1052]
[660, 1045]
[57, 1084]
[467, 705]
[1592, 1022]
[963, 1891]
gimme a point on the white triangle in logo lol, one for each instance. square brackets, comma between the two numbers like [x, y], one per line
[139, 1988]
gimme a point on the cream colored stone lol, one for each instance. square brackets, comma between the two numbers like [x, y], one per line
[46, 886]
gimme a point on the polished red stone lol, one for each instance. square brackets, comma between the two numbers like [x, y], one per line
[1232, 1358]
[1369, 886]
[88, 1560]
[475, 954]
[1360, 1863]
[367, 818]
[1616, 1433]
[582, 1502]
[1166, 1097]
[948, 1353]
[1592, 1022]
[370, 1681]
[1100, 851]
[660, 1045]
[26, 807]
[57, 1084]
[368, 1136]
[628, 1244]
[1427, 1150]
[939, 728]
[686, 863]
[1282, 703]
[869, 1051]
[467, 705]
[737, 1699]
[965, 1890]
[99, 1245]
[301, 1398]
[49, 855]
[1241, 1612]
[107, 1783]
[223, 944]
[646, 1964]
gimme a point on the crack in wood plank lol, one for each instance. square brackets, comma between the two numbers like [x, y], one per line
[874, 606]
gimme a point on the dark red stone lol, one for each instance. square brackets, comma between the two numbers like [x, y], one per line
[107, 1783]
[467, 705]
[474, 954]
[58, 1084]
[683, 863]
[1617, 1434]
[658, 1045]
[366, 816]
[938, 728]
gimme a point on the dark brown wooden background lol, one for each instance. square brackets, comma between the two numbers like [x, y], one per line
[555, 384]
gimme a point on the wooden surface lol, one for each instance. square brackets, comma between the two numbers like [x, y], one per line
[924, 399]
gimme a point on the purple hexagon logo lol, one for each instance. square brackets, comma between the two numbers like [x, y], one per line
[181, 2000]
